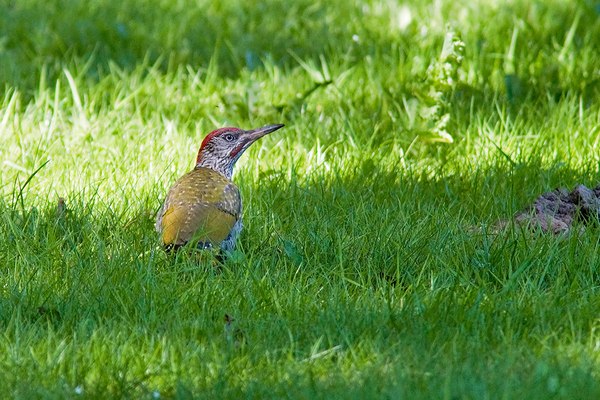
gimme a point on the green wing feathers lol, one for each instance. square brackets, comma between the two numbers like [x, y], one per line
[202, 205]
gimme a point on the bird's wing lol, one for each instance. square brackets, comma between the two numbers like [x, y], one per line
[202, 205]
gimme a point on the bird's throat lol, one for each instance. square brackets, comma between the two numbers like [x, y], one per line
[222, 166]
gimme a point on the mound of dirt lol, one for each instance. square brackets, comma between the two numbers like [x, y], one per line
[556, 211]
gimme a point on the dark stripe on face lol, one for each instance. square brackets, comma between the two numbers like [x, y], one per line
[236, 150]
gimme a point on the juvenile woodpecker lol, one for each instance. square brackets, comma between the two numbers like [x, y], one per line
[204, 205]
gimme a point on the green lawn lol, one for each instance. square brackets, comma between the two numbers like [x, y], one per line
[359, 274]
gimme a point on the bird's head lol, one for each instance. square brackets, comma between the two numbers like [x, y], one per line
[221, 148]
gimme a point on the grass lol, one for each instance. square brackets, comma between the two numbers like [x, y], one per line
[357, 275]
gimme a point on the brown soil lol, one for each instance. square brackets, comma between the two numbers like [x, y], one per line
[558, 210]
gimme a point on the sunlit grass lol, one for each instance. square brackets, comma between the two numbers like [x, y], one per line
[359, 273]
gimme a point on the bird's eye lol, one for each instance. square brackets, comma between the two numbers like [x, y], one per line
[229, 138]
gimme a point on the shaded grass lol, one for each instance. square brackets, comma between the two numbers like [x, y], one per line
[358, 274]
[555, 49]
[390, 293]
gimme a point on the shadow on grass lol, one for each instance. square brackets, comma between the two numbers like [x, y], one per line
[370, 220]
[376, 228]
[238, 35]
[378, 268]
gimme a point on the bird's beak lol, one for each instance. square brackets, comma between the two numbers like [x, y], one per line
[251, 136]
[255, 134]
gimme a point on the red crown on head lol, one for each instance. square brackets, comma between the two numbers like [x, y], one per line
[212, 135]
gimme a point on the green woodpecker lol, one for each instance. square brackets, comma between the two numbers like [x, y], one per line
[204, 205]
